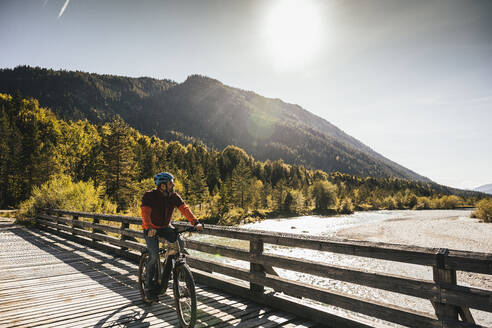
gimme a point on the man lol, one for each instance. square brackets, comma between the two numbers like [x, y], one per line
[157, 209]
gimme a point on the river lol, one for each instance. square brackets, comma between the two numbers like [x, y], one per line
[428, 228]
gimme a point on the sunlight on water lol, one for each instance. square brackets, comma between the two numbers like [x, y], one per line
[322, 226]
[328, 227]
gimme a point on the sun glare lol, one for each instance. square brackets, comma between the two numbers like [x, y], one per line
[292, 33]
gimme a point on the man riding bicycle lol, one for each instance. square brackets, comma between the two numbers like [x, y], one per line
[157, 209]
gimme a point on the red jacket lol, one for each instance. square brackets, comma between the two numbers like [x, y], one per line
[157, 209]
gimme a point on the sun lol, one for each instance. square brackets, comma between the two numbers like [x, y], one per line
[293, 33]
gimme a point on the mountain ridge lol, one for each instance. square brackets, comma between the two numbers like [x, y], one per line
[206, 109]
[487, 188]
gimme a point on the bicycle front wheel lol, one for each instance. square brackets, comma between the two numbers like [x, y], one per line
[184, 296]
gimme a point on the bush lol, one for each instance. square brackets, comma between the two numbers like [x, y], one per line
[61, 192]
[423, 203]
[296, 203]
[233, 216]
[483, 210]
[450, 202]
[409, 200]
[324, 194]
[389, 203]
[346, 206]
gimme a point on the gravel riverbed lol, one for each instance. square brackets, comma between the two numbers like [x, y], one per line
[436, 229]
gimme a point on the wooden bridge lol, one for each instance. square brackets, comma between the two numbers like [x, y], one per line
[67, 275]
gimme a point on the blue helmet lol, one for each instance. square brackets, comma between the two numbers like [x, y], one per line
[162, 177]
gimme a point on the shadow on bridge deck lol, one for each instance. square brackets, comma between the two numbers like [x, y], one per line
[54, 282]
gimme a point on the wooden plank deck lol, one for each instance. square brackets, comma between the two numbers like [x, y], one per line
[47, 281]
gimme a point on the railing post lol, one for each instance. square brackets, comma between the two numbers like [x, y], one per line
[95, 221]
[74, 219]
[444, 276]
[123, 237]
[256, 248]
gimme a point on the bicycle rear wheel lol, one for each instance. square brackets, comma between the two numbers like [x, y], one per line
[184, 296]
[142, 271]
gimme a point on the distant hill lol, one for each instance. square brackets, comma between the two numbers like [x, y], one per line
[485, 188]
[205, 109]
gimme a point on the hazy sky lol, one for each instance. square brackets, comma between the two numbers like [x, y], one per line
[411, 79]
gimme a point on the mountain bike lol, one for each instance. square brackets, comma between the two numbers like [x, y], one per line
[172, 265]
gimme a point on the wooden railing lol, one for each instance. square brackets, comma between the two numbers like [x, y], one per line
[450, 300]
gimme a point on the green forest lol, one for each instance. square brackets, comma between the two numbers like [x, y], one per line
[207, 110]
[106, 167]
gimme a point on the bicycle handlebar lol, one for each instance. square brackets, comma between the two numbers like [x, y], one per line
[187, 229]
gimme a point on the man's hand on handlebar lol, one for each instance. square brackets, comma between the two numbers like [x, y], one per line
[153, 232]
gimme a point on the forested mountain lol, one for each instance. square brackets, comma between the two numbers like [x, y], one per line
[205, 109]
[49, 162]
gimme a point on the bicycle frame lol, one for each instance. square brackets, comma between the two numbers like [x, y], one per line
[173, 252]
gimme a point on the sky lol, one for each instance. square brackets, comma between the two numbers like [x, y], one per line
[410, 79]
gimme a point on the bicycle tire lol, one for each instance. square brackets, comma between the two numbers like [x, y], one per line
[142, 267]
[184, 295]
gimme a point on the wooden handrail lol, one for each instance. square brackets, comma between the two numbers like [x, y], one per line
[454, 260]
[448, 298]
[457, 295]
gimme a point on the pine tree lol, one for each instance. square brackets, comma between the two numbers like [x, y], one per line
[225, 197]
[241, 184]
[145, 158]
[9, 150]
[212, 171]
[76, 145]
[198, 190]
[119, 162]
[279, 194]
